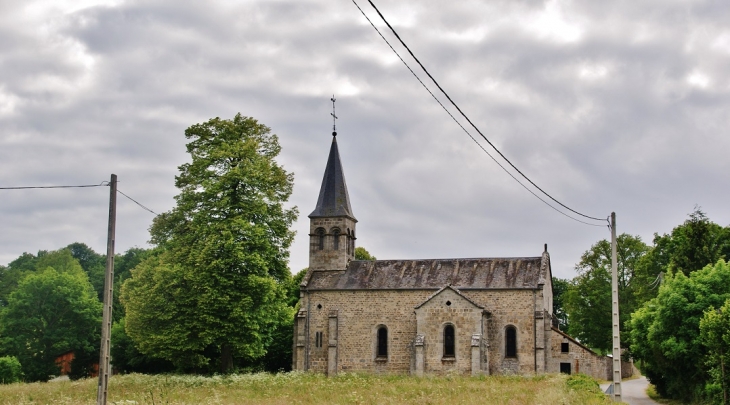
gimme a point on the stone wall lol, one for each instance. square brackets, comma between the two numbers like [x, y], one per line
[448, 308]
[359, 314]
[580, 358]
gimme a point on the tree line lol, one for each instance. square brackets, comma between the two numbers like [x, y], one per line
[674, 298]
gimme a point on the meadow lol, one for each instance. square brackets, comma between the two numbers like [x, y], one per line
[305, 388]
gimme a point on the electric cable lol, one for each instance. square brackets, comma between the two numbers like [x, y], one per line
[102, 184]
[464, 115]
[462, 127]
[136, 202]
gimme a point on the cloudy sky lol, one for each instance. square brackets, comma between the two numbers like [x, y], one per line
[608, 106]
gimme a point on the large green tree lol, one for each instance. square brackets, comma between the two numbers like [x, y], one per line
[690, 246]
[665, 331]
[218, 288]
[11, 275]
[588, 299]
[54, 309]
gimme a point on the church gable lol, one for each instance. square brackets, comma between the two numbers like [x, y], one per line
[449, 329]
[448, 296]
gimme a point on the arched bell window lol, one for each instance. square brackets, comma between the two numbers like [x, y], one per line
[510, 341]
[336, 235]
[449, 341]
[382, 351]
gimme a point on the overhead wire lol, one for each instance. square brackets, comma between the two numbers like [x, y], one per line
[136, 202]
[469, 121]
[102, 184]
[465, 130]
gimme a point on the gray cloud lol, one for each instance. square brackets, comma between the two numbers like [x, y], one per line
[608, 106]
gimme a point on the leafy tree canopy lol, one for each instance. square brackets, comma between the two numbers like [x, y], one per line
[665, 331]
[126, 357]
[362, 254]
[123, 264]
[10, 370]
[11, 275]
[715, 337]
[93, 264]
[51, 311]
[588, 299]
[689, 247]
[560, 288]
[218, 288]
[293, 287]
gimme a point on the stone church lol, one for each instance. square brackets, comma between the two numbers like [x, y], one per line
[427, 316]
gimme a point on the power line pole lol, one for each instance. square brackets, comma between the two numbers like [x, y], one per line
[615, 318]
[106, 326]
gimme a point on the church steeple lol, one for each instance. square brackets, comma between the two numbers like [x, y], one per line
[333, 201]
[332, 224]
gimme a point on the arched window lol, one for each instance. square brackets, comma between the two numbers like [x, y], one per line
[382, 343]
[449, 344]
[320, 238]
[336, 233]
[510, 341]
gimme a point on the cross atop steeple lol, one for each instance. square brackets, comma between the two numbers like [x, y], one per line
[334, 117]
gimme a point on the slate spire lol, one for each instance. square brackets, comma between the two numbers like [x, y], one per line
[333, 198]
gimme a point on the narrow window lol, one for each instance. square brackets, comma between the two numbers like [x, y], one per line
[336, 234]
[510, 342]
[320, 237]
[449, 349]
[352, 241]
[318, 339]
[565, 347]
[382, 343]
[348, 241]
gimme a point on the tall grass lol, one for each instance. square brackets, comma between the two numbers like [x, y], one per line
[305, 388]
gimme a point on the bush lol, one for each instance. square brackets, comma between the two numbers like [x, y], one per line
[10, 370]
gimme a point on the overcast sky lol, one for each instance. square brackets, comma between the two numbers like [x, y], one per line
[609, 106]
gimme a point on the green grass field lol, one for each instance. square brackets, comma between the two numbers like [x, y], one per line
[301, 388]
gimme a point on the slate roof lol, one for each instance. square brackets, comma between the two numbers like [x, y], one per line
[462, 274]
[333, 199]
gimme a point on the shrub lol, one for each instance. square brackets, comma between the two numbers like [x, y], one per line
[10, 371]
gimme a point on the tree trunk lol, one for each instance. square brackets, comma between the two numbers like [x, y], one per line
[226, 359]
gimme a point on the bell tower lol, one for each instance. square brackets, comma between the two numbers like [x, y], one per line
[332, 224]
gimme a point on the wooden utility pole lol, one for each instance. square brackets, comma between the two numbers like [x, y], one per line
[615, 318]
[106, 326]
